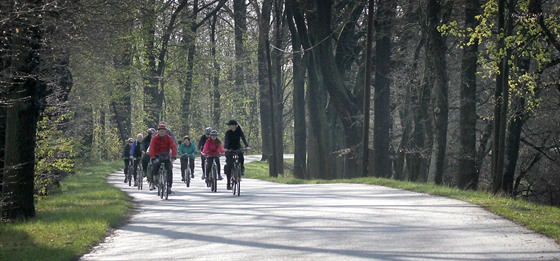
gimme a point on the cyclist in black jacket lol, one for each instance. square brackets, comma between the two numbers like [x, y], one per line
[201, 143]
[232, 141]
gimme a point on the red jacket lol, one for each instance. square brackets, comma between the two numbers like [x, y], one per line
[211, 149]
[162, 145]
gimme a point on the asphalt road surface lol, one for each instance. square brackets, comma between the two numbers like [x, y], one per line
[312, 222]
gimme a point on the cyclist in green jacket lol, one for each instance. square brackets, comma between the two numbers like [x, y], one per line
[187, 150]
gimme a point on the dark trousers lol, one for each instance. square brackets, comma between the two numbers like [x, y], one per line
[126, 163]
[168, 167]
[209, 165]
[203, 164]
[135, 168]
[145, 161]
[229, 163]
[184, 161]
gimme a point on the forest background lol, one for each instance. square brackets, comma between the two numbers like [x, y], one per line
[465, 92]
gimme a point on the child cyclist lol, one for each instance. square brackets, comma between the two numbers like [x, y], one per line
[212, 150]
[187, 150]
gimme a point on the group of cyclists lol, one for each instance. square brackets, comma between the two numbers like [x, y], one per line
[161, 147]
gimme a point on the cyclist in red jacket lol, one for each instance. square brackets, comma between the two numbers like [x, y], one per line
[161, 146]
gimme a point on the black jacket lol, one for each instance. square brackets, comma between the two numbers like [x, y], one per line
[202, 141]
[232, 139]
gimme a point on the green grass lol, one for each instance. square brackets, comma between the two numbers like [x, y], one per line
[539, 218]
[71, 221]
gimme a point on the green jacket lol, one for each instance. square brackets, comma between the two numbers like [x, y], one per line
[184, 149]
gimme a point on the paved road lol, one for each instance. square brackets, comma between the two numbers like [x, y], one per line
[313, 222]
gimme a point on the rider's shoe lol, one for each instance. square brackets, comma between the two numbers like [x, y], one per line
[228, 187]
[125, 180]
[135, 183]
[220, 177]
[203, 177]
[152, 187]
[170, 191]
[182, 179]
[192, 176]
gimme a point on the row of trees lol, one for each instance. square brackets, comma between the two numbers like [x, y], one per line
[463, 91]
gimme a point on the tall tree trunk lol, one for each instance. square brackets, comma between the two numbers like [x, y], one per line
[265, 99]
[278, 95]
[501, 97]
[5, 76]
[342, 100]
[240, 30]
[300, 136]
[190, 46]
[514, 129]
[319, 156]
[150, 73]
[441, 108]
[466, 175]
[216, 108]
[22, 114]
[382, 95]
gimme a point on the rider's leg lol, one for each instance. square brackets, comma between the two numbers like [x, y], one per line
[227, 168]
[241, 161]
[191, 165]
[169, 167]
[126, 163]
[203, 164]
[217, 159]
[183, 167]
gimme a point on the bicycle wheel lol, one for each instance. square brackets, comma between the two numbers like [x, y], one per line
[140, 176]
[163, 184]
[188, 177]
[237, 180]
[214, 178]
[129, 175]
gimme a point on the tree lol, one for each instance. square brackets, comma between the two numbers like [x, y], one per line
[382, 109]
[441, 107]
[22, 112]
[467, 177]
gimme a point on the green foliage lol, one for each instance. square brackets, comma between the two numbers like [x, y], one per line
[55, 152]
[526, 42]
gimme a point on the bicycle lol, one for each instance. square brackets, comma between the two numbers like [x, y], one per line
[139, 174]
[187, 174]
[160, 181]
[236, 172]
[130, 170]
[212, 177]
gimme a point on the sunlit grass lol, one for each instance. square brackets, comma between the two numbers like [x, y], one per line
[71, 221]
[539, 218]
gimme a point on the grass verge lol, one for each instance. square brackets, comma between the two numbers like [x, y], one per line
[539, 218]
[69, 222]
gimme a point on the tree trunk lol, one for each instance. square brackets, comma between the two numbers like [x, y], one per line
[265, 112]
[190, 46]
[382, 95]
[278, 95]
[300, 136]
[150, 73]
[240, 30]
[5, 70]
[466, 175]
[22, 114]
[441, 108]
[501, 98]
[514, 132]
[216, 108]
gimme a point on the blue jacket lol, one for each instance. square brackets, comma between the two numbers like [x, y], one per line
[184, 149]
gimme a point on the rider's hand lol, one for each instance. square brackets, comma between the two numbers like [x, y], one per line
[247, 148]
[131, 157]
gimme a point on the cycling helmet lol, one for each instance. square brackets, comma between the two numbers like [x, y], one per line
[214, 133]
[162, 126]
[207, 130]
[151, 130]
[232, 122]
